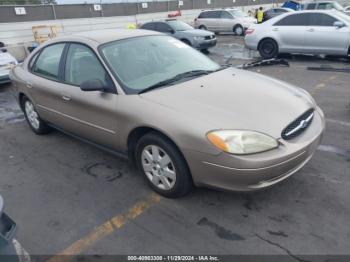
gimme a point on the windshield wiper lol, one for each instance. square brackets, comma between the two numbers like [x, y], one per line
[176, 78]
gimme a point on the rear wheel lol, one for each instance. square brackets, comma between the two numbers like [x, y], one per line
[268, 48]
[163, 166]
[202, 27]
[238, 30]
[35, 122]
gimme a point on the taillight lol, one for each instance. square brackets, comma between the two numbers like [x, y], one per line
[249, 31]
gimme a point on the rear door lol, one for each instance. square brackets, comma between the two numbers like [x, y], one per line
[323, 37]
[43, 81]
[290, 31]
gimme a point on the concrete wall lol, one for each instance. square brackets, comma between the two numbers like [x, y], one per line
[53, 12]
[17, 36]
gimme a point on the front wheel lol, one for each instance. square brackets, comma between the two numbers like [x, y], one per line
[163, 166]
[268, 49]
[35, 122]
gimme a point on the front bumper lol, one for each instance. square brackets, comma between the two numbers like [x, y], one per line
[204, 44]
[4, 79]
[256, 171]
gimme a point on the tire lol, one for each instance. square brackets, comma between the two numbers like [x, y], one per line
[268, 48]
[38, 125]
[202, 27]
[238, 30]
[186, 42]
[171, 178]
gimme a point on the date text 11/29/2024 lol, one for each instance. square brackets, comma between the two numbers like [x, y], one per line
[173, 258]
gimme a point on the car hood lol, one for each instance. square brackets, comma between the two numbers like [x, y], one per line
[235, 99]
[197, 32]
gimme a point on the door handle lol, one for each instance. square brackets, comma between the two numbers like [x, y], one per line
[29, 85]
[66, 98]
[310, 30]
[275, 29]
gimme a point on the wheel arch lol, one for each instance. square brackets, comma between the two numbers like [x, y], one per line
[138, 132]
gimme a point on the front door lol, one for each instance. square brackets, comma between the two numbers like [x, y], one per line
[322, 36]
[89, 114]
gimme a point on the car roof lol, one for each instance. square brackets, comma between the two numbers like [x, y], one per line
[220, 9]
[108, 35]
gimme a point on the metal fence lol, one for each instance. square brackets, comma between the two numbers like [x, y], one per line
[26, 13]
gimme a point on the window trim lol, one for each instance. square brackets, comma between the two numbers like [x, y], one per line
[289, 15]
[64, 62]
[36, 56]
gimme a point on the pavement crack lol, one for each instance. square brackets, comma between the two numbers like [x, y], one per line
[281, 247]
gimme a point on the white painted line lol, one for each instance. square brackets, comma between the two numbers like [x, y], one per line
[21, 252]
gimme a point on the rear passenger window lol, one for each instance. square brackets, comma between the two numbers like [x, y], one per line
[294, 20]
[226, 15]
[311, 6]
[83, 65]
[48, 62]
[210, 14]
[149, 26]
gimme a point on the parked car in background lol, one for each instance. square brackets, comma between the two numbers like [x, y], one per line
[199, 39]
[303, 32]
[224, 20]
[322, 5]
[6, 62]
[273, 12]
[181, 117]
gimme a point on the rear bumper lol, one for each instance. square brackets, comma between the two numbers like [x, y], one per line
[256, 171]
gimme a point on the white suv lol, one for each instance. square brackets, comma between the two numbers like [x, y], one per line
[224, 20]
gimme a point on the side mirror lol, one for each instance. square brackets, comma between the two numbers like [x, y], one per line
[338, 24]
[171, 31]
[93, 85]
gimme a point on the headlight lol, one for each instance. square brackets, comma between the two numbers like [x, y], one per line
[241, 142]
[198, 38]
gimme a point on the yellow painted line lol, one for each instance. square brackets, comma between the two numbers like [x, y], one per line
[322, 85]
[106, 229]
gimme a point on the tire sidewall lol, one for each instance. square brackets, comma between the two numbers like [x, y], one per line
[268, 56]
[43, 128]
[183, 181]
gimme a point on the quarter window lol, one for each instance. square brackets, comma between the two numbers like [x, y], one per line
[48, 62]
[83, 65]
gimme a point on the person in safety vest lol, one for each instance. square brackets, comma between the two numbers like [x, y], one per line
[260, 15]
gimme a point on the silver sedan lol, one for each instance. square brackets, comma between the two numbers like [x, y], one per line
[303, 32]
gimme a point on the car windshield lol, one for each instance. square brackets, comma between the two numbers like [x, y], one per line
[238, 13]
[141, 62]
[179, 25]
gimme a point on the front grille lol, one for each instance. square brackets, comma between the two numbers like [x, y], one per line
[208, 37]
[299, 125]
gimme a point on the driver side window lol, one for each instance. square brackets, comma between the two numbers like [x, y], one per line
[83, 65]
